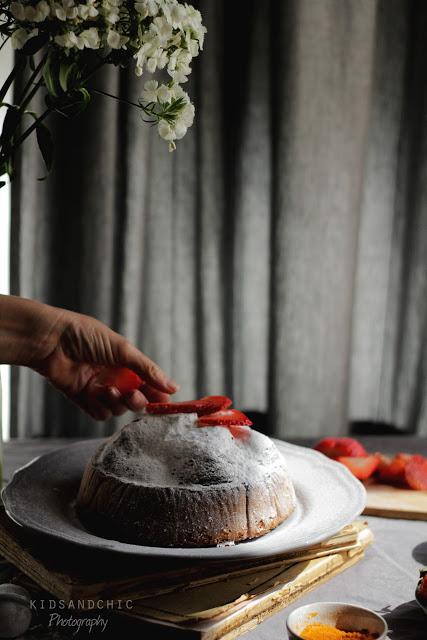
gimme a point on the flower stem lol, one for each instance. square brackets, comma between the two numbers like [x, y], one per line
[18, 66]
[30, 96]
[30, 129]
[110, 95]
[148, 112]
[94, 70]
[4, 42]
[30, 81]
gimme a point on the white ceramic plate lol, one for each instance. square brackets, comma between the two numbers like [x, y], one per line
[40, 498]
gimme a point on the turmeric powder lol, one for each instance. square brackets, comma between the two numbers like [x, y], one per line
[319, 631]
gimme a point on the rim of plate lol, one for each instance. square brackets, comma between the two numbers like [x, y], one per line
[255, 548]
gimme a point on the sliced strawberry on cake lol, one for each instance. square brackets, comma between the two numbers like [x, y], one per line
[225, 418]
[341, 447]
[239, 432]
[235, 421]
[204, 406]
[212, 411]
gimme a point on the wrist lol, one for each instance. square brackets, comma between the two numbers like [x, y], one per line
[29, 330]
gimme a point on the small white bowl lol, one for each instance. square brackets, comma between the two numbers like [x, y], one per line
[348, 617]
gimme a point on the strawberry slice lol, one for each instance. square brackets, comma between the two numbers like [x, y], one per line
[237, 431]
[361, 468]
[225, 418]
[393, 471]
[415, 474]
[204, 406]
[383, 463]
[341, 447]
[125, 380]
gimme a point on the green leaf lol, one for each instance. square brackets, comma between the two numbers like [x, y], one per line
[78, 102]
[4, 169]
[35, 44]
[49, 78]
[85, 95]
[68, 73]
[8, 167]
[45, 142]
[31, 113]
[10, 123]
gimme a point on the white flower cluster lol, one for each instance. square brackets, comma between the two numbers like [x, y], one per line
[158, 34]
[170, 25]
[174, 36]
[165, 96]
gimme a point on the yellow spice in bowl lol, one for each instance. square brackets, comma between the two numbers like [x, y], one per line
[318, 631]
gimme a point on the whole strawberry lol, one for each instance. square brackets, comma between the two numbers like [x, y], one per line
[341, 447]
[422, 585]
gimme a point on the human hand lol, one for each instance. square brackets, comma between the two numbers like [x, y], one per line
[80, 355]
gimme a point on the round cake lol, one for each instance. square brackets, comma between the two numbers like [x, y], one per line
[165, 481]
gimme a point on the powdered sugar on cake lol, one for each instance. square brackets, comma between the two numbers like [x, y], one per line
[172, 451]
[164, 480]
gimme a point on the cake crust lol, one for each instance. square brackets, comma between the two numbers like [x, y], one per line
[162, 481]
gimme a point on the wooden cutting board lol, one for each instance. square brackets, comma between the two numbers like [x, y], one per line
[392, 502]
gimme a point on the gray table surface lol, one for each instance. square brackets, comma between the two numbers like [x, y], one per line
[384, 580]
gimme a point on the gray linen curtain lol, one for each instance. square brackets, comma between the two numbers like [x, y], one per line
[279, 255]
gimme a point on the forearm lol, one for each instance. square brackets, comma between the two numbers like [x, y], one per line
[27, 329]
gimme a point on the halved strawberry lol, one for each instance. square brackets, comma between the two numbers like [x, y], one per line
[415, 474]
[204, 406]
[393, 471]
[225, 418]
[383, 462]
[360, 467]
[337, 447]
[125, 380]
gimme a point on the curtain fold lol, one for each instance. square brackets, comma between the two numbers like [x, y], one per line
[320, 138]
[280, 254]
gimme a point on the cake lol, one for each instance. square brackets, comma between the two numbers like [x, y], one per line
[165, 481]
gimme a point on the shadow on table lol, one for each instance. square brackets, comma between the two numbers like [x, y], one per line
[419, 553]
[405, 622]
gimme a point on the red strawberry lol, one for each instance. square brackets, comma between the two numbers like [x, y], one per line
[383, 463]
[202, 407]
[360, 467]
[393, 471]
[238, 431]
[339, 447]
[415, 475]
[124, 379]
[225, 418]
[422, 585]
